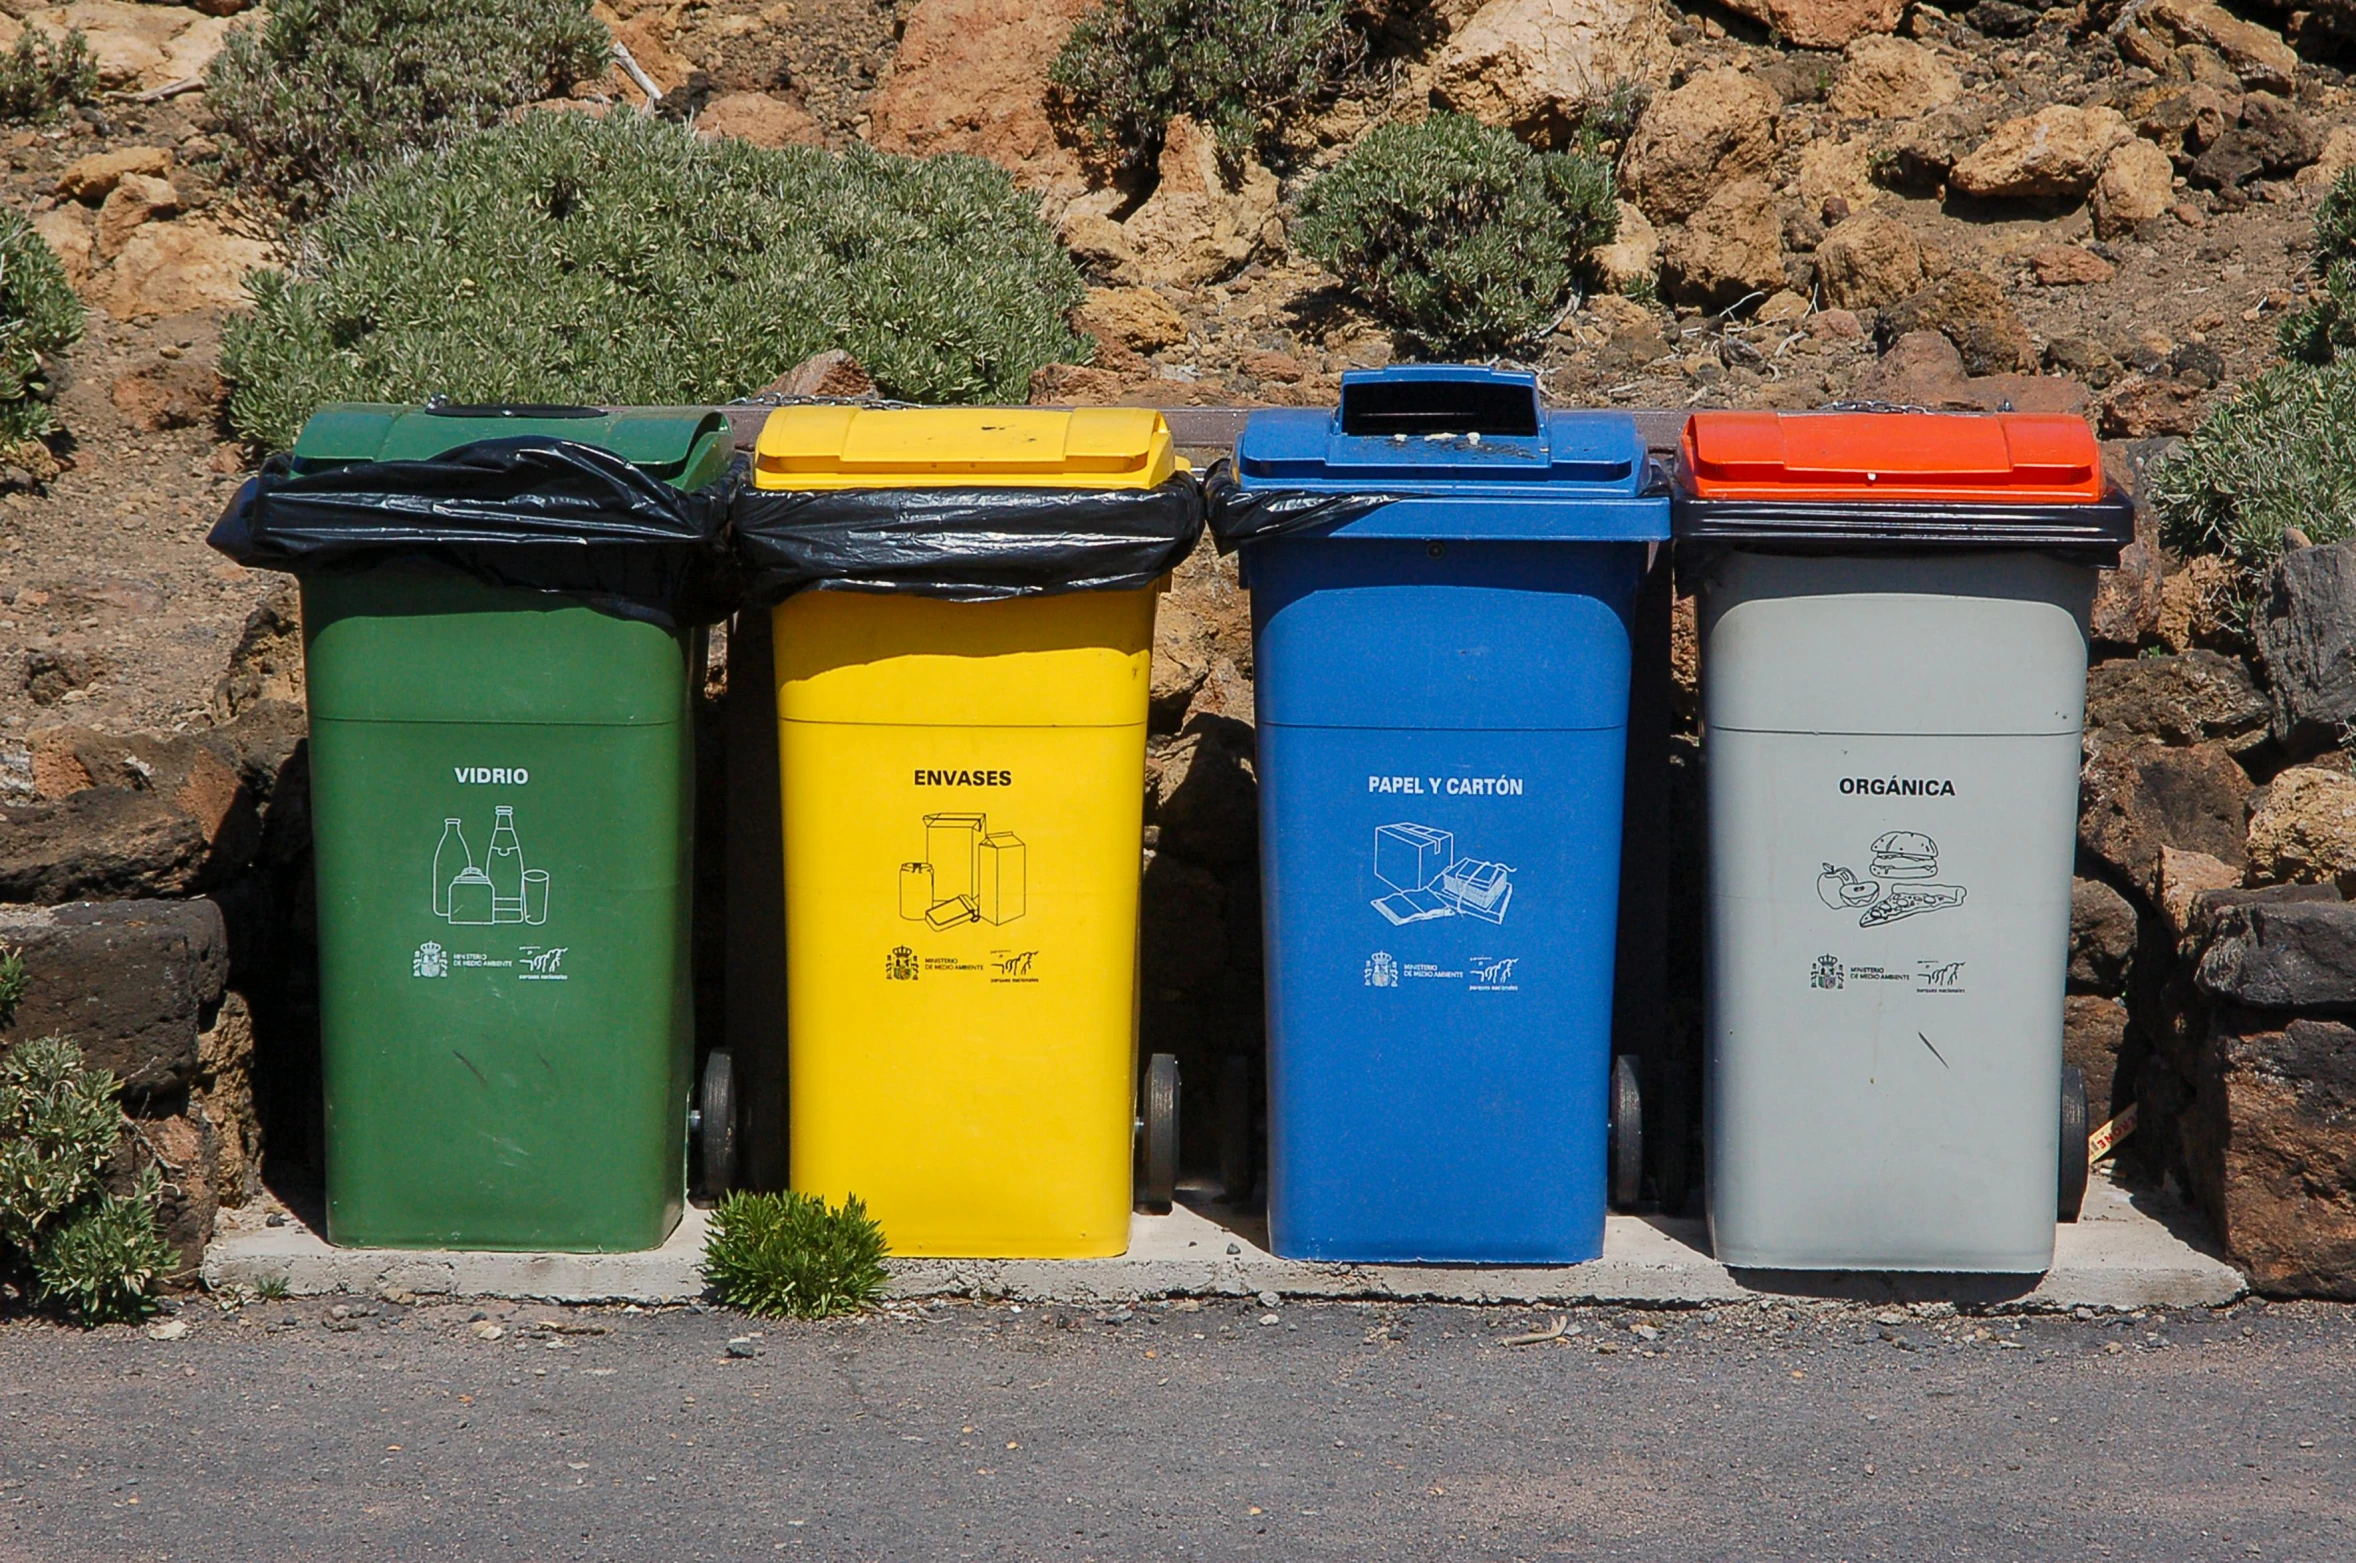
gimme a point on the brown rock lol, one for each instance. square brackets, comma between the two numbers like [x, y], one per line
[2188, 698]
[2257, 55]
[1970, 310]
[2185, 876]
[1835, 178]
[1202, 222]
[2194, 600]
[761, 119]
[140, 46]
[92, 178]
[1717, 129]
[224, 1096]
[1532, 65]
[161, 814]
[2303, 830]
[2102, 937]
[2056, 152]
[2142, 406]
[1892, 78]
[181, 1150]
[1634, 254]
[180, 268]
[971, 76]
[1823, 24]
[2094, 1032]
[266, 665]
[1922, 152]
[169, 393]
[1729, 248]
[130, 981]
[1837, 325]
[1868, 261]
[54, 672]
[2267, 1145]
[833, 373]
[72, 232]
[2138, 797]
[1080, 385]
[1181, 661]
[1138, 319]
[647, 35]
[2067, 266]
[137, 199]
[2136, 186]
[2127, 599]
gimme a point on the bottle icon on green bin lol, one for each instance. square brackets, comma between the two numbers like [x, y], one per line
[498, 890]
[452, 857]
[506, 868]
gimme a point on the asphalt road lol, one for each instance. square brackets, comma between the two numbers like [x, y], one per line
[1341, 1431]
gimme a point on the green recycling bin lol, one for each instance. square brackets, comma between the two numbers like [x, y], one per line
[502, 645]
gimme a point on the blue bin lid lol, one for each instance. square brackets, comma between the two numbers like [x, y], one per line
[1471, 452]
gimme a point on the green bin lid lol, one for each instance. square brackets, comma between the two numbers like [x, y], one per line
[686, 447]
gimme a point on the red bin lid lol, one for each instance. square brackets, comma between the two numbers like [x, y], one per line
[1999, 458]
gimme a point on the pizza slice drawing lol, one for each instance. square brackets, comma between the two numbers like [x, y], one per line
[1909, 901]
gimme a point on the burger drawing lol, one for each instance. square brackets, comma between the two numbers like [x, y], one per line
[1904, 854]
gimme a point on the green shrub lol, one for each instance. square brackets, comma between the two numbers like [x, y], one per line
[780, 1256]
[570, 259]
[45, 74]
[95, 1256]
[2279, 452]
[58, 1125]
[101, 1262]
[2326, 328]
[318, 90]
[1455, 232]
[1241, 67]
[12, 985]
[39, 318]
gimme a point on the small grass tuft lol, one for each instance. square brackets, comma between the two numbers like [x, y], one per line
[46, 74]
[790, 1256]
[39, 319]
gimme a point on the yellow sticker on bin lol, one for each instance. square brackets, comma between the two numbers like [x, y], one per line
[964, 447]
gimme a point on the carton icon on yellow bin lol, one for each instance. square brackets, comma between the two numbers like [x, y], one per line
[972, 874]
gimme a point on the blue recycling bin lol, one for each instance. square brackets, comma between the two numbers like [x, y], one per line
[1442, 576]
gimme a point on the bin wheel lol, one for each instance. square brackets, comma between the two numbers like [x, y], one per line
[715, 1126]
[1157, 1148]
[2074, 1134]
[1627, 1133]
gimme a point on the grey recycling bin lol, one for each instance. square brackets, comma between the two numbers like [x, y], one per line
[1893, 626]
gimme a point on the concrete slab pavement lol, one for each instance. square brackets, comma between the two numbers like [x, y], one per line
[2127, 1251]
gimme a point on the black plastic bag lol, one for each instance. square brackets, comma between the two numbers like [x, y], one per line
[1239, 515]
[964, 544]
[542, 514]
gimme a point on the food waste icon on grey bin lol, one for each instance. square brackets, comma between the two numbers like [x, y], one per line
[1891, 887]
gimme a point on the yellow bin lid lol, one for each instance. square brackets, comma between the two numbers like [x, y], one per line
[963, 447]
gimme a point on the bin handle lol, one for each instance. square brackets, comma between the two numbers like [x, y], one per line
[443, 407]
[1381, 407]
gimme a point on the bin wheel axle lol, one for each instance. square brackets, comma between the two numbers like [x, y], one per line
[2074, 1135]
[1157, 1136]
[714, 1124]
[1627, 1134]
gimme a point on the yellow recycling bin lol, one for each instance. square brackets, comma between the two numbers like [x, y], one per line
[961, 732]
